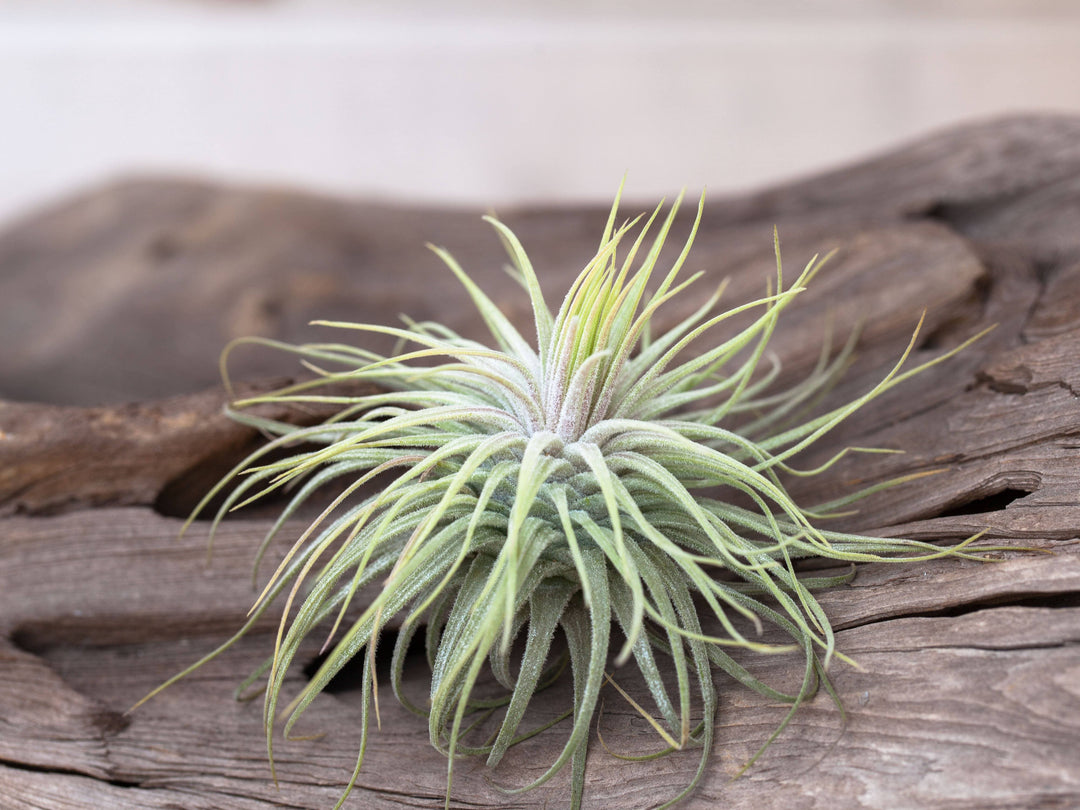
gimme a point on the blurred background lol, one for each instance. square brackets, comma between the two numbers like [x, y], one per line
[486, 102]
[180, 173]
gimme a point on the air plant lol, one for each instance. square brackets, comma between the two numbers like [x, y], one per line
[602, 477]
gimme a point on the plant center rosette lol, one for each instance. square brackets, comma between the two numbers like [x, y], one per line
[574, 485]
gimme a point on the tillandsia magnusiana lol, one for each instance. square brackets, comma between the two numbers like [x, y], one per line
[591, 481]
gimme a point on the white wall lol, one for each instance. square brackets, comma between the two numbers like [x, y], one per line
[488, 102]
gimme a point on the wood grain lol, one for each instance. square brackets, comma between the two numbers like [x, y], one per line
[967, 690]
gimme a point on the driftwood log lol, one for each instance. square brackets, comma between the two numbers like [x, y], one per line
[114, 307]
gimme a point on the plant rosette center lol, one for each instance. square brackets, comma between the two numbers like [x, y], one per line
[599, 476]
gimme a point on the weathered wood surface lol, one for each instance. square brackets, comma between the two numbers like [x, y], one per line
[968, 694]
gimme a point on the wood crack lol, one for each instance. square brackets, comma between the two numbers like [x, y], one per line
[62, 771]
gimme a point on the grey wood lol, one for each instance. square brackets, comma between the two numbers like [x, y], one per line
[967, 689]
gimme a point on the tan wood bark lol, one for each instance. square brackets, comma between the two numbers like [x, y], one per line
[968, 691]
